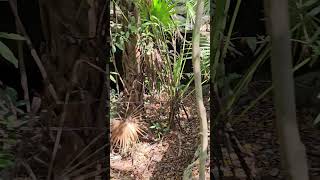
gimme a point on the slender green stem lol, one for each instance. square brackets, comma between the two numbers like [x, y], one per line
[269, 89]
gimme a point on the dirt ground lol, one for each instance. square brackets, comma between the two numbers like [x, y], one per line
[169, 157]
[258, 132]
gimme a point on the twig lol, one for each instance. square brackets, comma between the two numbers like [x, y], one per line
[84, 160]
[185, 111]
[86, 60]
[58, 137]
[180, 144]
[229, 147]
[24, 79]
[28, 168]
[81, 169]
[40, 161]
[238, 150]
[177, 118]
[33, 51]
[120, 78]
[94, 140]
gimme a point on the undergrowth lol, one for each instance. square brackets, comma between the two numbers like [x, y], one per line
[11, 119]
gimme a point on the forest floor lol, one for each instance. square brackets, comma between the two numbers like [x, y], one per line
[169, 157]
[164, 158]
[257, 132]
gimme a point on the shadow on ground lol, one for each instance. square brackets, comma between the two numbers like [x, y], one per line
[180, 152]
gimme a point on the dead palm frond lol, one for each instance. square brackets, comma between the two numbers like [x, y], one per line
[125, 131]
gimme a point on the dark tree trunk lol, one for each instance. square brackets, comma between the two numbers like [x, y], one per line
[75, 60]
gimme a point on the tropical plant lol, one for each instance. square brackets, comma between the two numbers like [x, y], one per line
[5, 51]
[159, 129]
[159, 34]
[8, 107]
[305, 34]
[114, 98]
[261, 50]
[304, 16]
[11, 119]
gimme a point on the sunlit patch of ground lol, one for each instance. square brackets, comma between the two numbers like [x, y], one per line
[165, 158]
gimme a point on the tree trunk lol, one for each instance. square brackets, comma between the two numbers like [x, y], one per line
[293, 153]
[75, 62]
[131, 60]
[196, 51]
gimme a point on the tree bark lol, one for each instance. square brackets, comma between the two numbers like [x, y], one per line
[76, 65]
[131, 60]
[294, 162]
